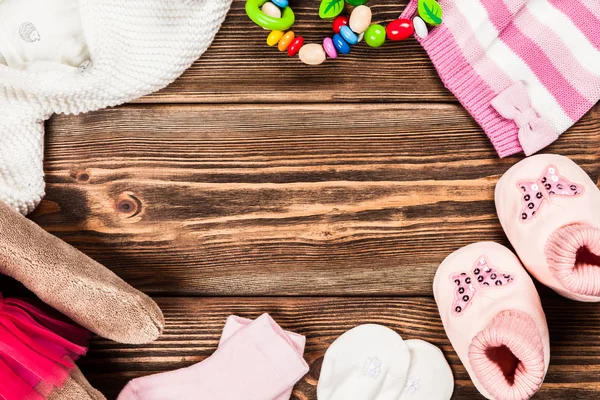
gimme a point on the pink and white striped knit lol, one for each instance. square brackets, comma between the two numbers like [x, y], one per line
[526, 70]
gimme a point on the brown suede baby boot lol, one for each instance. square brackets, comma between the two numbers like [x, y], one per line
[74, 284]
[76, 388]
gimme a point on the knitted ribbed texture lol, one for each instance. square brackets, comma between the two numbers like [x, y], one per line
[137, 47]
[484, 47]
[566, 255]
[518, 333]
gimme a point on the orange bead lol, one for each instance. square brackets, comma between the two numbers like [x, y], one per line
[285, 41]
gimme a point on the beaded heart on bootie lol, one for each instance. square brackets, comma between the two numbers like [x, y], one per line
[277, 16]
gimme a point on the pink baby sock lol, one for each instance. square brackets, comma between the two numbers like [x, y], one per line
[494, 319]
[235, 323]
[256, 360]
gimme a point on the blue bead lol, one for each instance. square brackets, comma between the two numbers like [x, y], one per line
[280, 3]
[340, 44]
[348, 35]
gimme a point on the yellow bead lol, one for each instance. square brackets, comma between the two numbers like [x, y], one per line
[285, 41]
[274, 37]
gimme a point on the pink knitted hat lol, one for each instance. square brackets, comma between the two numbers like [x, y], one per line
[526, 70]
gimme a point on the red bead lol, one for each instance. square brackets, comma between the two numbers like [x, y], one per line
[340, 21]
[295, 46]
[400, 29]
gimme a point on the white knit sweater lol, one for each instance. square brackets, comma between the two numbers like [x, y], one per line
[137, 47]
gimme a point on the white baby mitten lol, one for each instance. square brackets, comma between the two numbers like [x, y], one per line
[429, 375]
[369, 362]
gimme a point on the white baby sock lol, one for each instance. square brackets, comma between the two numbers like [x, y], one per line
[429, 375]
[369, 362]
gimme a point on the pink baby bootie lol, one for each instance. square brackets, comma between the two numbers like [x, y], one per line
[549, 209]
[493, 317]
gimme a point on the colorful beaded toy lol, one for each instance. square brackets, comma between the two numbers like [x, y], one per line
[278, 17]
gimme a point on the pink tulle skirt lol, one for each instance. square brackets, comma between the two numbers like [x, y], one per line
[37, 350]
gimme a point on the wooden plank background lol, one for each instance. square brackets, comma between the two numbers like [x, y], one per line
[326, 196]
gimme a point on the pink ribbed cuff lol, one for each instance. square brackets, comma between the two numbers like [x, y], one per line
[518, 333]
[468, 87]
[572, 255]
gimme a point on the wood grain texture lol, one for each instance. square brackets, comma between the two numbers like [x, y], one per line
[256, 175]
[239, 67]
[194, 326]
[277, 199]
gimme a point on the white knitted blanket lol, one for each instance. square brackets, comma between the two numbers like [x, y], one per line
[137, 47]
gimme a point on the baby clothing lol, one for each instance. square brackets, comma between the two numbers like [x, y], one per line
[136, 47]
[74, 284]
[256, 360]
[37, 351]
[494, 319]
[372, 362]
[41, 35]
[235, 323]
[526, 70]
[369, 362]
[548, 207]
[429, 375]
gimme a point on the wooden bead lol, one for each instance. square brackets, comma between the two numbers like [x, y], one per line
[400, 29]
[271, 10]
[430, 11]
[261, 19]
[312, 54]
[285, 41]
[329, 48]
[375, 35]
[340, 21]
[340, 44]
[330, 9]
[360, 19]
[274, 37]
[421, 29]
[348, 35]
[295, 46]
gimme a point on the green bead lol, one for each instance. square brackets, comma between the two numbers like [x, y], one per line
[331, 8]
[357, 2]
[270, 23]
[375, 35]
[430, 11]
